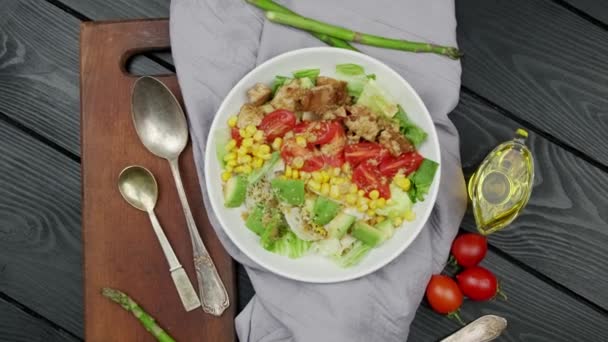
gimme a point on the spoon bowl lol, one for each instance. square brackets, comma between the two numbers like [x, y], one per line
[138, 187]
[158, 118]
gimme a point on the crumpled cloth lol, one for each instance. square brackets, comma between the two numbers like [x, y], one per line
[215, 43]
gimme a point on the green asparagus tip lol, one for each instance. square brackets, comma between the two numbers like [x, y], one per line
[454, 53]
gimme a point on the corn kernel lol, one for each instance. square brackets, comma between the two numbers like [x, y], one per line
[232, 121]
[403, 182]
[288, 171]
[361, 193]
[264, 149]
[317, 176]
[334, 192]
[265, 156]
[244, 159]
[352, 189]
[231, 145]
[381, 202]
[301, 141]
[325, 189]
[335, 171]
[226, 175]
[247, 142]
[361, 200]
[397, 221]
[276, 143]
[243, 133]
[346, 167]
[373, 204]
[325, 176]
[258, 162]
[247, 168]
[380, 219]
[304, 175]
[250, 129]
[363, 207]
[371, 212]
[351, 199]
[230, 156]
[295, 174]
[258, 136]
[231, 163]
[314, 185]
[409, 215]
[297, 162]
[374, 194]
[242, 151]
[229, 168]
[238, 169]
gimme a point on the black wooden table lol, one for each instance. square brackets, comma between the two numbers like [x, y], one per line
[538, 64]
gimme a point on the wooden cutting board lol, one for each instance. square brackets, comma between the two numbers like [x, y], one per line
[120, 248]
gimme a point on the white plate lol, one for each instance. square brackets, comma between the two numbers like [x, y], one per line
[312, 268]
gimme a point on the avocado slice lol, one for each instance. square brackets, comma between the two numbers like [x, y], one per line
[235, 191]
[290, 191]
[386, 227]
[338, 227]
[367, 234]
[255, 220]
[324, 210]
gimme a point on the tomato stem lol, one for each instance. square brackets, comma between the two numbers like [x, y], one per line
[500, 293]
[455, 315]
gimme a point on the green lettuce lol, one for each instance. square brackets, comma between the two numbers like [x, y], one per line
[308, 73]
[353, 255]
[411, 131]
[377, 100]
[278, 82]
[422, 179]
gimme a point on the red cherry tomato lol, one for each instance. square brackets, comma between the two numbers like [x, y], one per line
[234, 132]
[469, 249]
[367, 177]
[277, 123]
[312, 159]
[408, 162]
[478, 283]
[358, 153]
[443, 294]
[318, 132]
[333, 151]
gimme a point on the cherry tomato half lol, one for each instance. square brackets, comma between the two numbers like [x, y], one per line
[234, 132]
[313, 160]
[333, 150]
[443, 294]
[318, 132]
[408, 162]
[367, 177]
[469, 249]
[277, 123]
[478, 283]
[358, 153]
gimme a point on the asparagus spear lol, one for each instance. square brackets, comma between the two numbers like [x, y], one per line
[269, 5]
[359, 37]
[130, 305]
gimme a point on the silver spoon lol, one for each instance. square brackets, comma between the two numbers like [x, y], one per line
[138, 187]
[162, 128]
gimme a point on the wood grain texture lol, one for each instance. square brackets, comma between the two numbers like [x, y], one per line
[39, 70]
[40, 251]
[120, 9]
[535, 311]
[120, 249]
[597, 9]
[18, 326]
[541, 62]
[563, 232]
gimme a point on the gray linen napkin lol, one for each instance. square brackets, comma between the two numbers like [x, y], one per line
[215, 43]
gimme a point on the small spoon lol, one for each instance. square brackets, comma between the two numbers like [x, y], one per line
[484, 329]
[162, 128]
[138, 187]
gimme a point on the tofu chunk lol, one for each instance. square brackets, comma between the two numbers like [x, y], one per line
[249, 115]
[328, 94]
[394, 141]
[362, 122]
[290, 96]
[259, 94]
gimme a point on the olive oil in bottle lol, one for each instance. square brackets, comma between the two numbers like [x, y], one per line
[502, 185]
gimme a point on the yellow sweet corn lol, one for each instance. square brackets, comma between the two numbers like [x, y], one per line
[397, 221]
[362, 207]
[325, 176]
[409, 215]
[361, 193]
[297, 162]
[226, 175]
[325, 189]
[402, 182]
[317, 176]
[238, 169]
[373, 204]
[301, 141]
[231, 145]
[244, 159]
[374, 194]
[314, 185]
[265, 156]
[229, 168]
[258, 136]
[264, 149]
[288, 171]
[304, 175]
[371, 213]
[258, 162]
[242, 151]
[295, 174]
[231, 162]
[334, 192]
[351, 199]
[250, 129]
[230, 156]
[247, 142]
[276, 143]
[346, 167]
[381, 202]
[380, 219]
[247, 168]
[353, 189]
[232, 121]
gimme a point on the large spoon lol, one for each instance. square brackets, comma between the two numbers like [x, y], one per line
[162, 128]
[138, 187]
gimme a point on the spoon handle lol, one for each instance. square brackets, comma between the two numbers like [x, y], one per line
[214, 297]
[483, 329]
[184, 287]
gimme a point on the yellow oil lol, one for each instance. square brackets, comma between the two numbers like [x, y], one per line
[501, 186]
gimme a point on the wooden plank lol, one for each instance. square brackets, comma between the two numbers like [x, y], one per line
[39, 68]
[535, 311]
[19, 326]
[562, 232]
[40, 251]
[120, 9]
[594, 8]
[541, 62]
[134, 262]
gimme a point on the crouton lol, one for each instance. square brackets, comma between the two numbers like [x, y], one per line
[362, 122]
[249, 115]
[259, 94]
[395, 141]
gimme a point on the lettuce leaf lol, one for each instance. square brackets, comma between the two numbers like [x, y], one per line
[350, 69]
[278, 82]
[289, 245]
[353, 255]
[422, 179]
[377, 99]
[411, 131]
[309, 73]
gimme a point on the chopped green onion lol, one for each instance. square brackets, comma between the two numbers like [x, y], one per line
[310, 73]
[278, 82]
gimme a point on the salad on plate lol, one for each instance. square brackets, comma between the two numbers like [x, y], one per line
[323, 165]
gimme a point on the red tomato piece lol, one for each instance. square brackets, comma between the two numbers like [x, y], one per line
[367, 177]
[333, 151]
[443, 294]
[312, 159]
[478, 283]
[277, 123]
[469, 249]
[234, 132]
[357, 153]
[314, 163]
[408, 162]
[318, 132]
